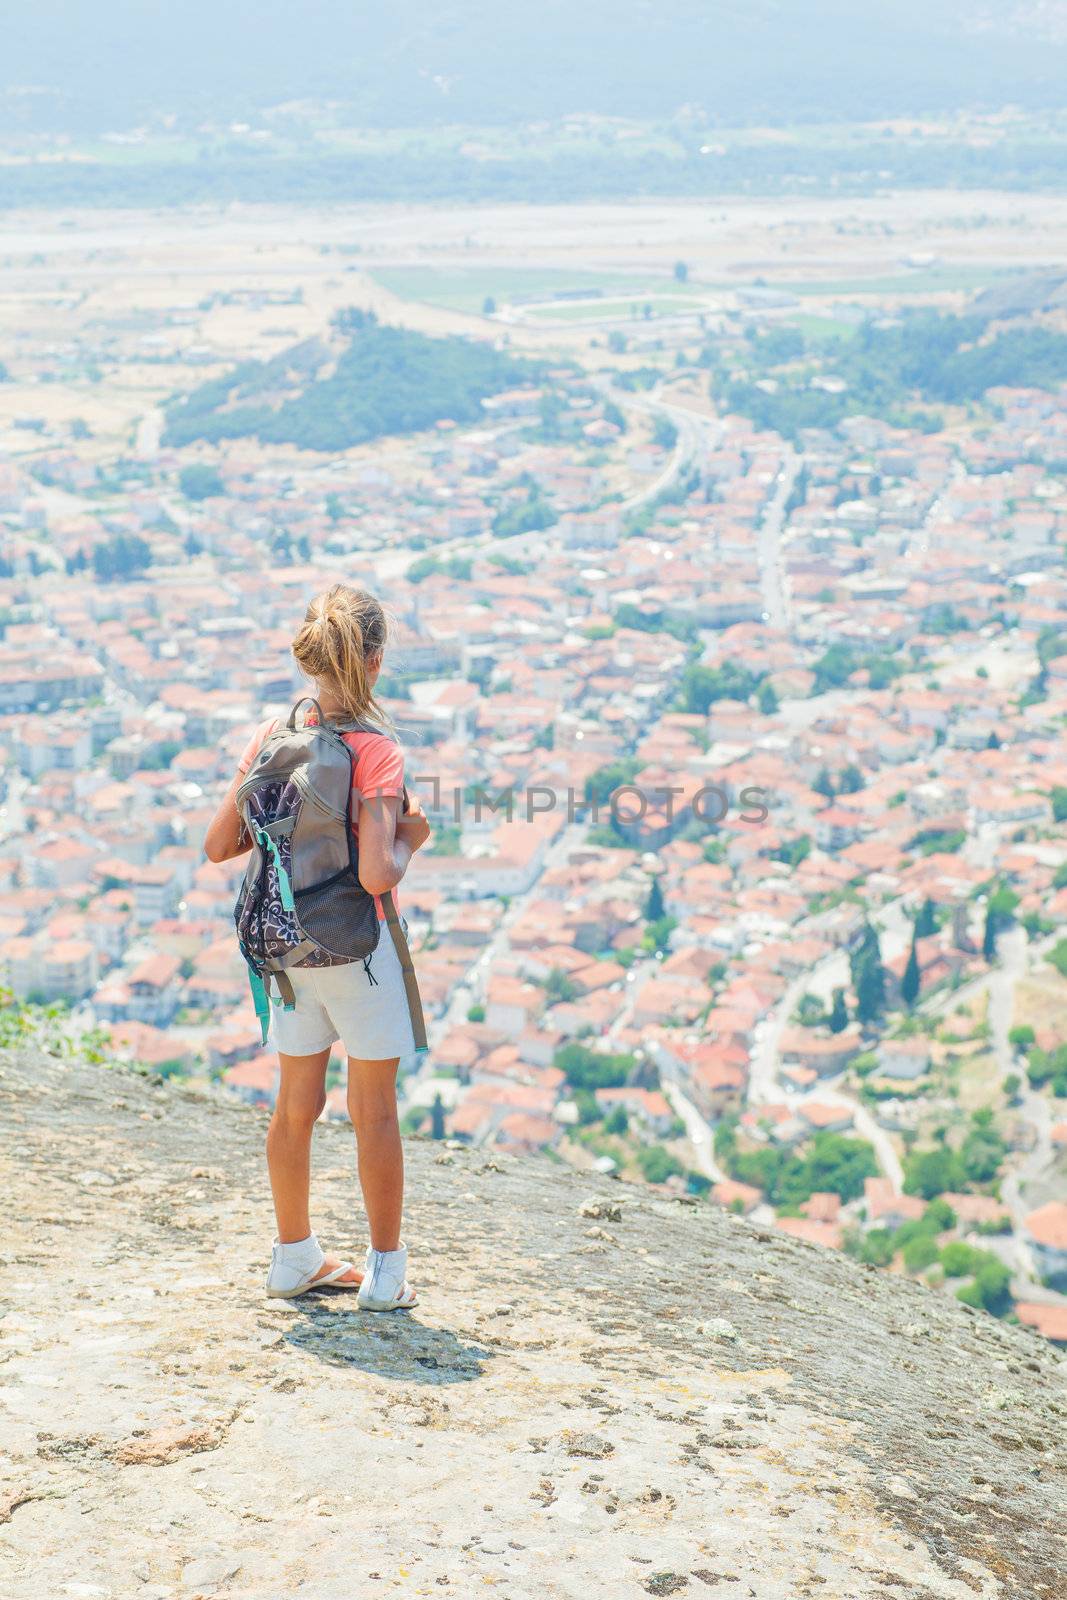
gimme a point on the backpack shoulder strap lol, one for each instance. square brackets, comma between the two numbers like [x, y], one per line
[360, 725]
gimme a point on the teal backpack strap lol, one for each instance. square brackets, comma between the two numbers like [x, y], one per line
[261, 1000]
[285, 888]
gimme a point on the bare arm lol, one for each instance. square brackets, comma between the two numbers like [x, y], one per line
[388, 838]
[226, 837]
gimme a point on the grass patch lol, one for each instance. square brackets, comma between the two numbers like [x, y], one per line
[823, 330]
[1041, 1000]
[467, 288]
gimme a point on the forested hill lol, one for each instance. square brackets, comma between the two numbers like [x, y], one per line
[368, 381]
[415, 63]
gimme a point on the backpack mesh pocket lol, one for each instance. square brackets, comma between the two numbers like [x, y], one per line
[340, 916]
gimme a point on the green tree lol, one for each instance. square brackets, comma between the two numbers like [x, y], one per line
[702, 686]
[926, 921]
[990, 1289]
[911, 982]
[838, 1012]
[833, 668]
[654, 907]
[657, 934]
[1004, 902]
[588, 1108]
[960, 1259]
[876, 1248]
[793, 851]
[938, 1216]
[834, 1164]
[550, 413]
[664, 433]
[123, 556]
[989, 935]
[823, 783]
[613, 415]
[657, 1164]
[524, 516]
[558, 986]
[601, 784]
[810, 1012]
[591, 1069]
[437, 1118]
[920, 1253]
[850, 780]
[868, 975]
[767, 698]
[930, 1173]
[1059, 803]
[1049, 1066]
[983, 1149]
[200, 482]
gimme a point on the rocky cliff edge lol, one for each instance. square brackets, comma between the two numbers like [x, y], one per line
[602, 1392]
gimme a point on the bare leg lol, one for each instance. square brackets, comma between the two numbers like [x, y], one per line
[301, 1097]
[380, 1155]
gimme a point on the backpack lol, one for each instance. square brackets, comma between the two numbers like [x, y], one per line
[301, 903]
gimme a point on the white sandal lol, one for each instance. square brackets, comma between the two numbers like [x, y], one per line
[384, 1286]
[294, 1268]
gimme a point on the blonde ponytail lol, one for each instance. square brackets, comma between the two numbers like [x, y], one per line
[343, 628]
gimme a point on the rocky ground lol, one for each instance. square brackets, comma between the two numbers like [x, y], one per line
[601, 1393]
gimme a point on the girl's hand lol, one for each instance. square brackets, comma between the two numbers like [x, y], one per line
[412, 826]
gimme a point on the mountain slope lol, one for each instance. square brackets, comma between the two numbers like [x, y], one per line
[410, 63]
[661, 1401]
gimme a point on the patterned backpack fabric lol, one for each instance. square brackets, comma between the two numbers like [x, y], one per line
[301, 903]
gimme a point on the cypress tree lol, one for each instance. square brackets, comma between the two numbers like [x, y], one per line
[838, 1012]
[910, 983]
[437, 1118]
[868, 976]
[989, 937]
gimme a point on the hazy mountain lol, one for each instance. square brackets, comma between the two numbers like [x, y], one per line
[67, 64]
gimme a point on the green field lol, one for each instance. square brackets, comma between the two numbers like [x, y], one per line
[615, 310]
[466, 288]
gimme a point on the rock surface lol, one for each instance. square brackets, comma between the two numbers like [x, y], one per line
[679, 1403]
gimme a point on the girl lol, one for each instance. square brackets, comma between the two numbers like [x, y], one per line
[340, 648]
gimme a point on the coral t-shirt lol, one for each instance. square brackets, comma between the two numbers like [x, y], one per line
[377, 772]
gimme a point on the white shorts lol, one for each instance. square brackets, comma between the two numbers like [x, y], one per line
[372, 1020]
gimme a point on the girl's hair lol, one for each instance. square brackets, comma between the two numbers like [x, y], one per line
[342, 628]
